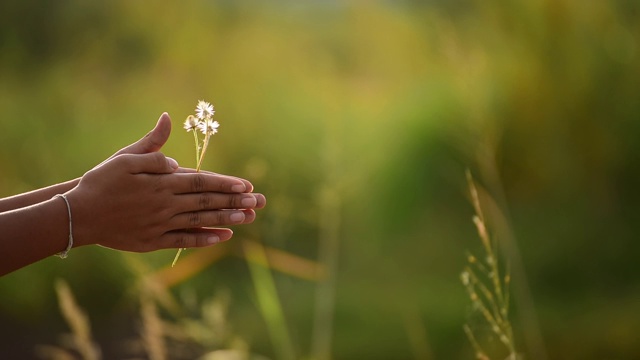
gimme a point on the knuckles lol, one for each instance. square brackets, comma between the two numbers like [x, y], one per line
[197, 183]
[205, 201]
[195, 219]
[183, 241]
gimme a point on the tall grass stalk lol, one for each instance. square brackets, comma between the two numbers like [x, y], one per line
[522, 296]
[328, 244]
[268, 300]
[152, 329]
[326, 290]
[488, 289]
[81, 339]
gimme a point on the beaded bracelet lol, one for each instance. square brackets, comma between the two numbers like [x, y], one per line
[64, 253]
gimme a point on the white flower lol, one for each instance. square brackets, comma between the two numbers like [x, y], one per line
[208, 127]
[191, 123]
[204, 110]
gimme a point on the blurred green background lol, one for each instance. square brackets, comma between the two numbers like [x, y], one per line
[357, 120]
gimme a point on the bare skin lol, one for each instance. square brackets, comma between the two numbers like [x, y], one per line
[137, 200]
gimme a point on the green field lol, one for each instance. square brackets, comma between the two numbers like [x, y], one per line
[358, 121]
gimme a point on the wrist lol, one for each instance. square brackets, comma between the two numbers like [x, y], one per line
[63, 254]
[79, 219]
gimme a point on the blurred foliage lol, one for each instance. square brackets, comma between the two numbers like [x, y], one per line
[381, 104]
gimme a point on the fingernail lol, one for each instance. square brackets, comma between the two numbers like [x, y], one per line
[213, 239]
[238, 188]
[237, 217]
[172, 163]
[249, 202]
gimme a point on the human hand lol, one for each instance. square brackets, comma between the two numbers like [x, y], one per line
[156, 138]
[139, 200]
[139, 203]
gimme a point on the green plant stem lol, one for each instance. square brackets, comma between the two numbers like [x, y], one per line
[199, 157]
[175, 259]
[269, 301]
[204, 151]
[195, 138]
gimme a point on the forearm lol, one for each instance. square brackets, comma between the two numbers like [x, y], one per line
[32, 233]
[36, 196]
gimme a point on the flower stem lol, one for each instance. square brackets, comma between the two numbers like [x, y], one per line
[205, 144]
[175, 259]
[195, 138]
[199, 157]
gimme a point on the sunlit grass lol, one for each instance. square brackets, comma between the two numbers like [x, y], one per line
[552, 84]
[80, 341]
[488, 289]
[269, 301]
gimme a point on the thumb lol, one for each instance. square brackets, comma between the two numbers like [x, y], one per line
[151, 163]
[154, 140]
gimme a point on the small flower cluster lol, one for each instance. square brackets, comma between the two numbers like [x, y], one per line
[203, 121]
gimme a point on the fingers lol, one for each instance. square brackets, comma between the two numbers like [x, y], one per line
[198, 229]
[151, 163]
[218, 201]
[185, 183]
[206, 219]
[248, 185]
[215, 209]
[193, 238]
[154, 140]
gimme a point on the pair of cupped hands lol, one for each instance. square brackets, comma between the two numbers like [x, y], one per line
[140, 200]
